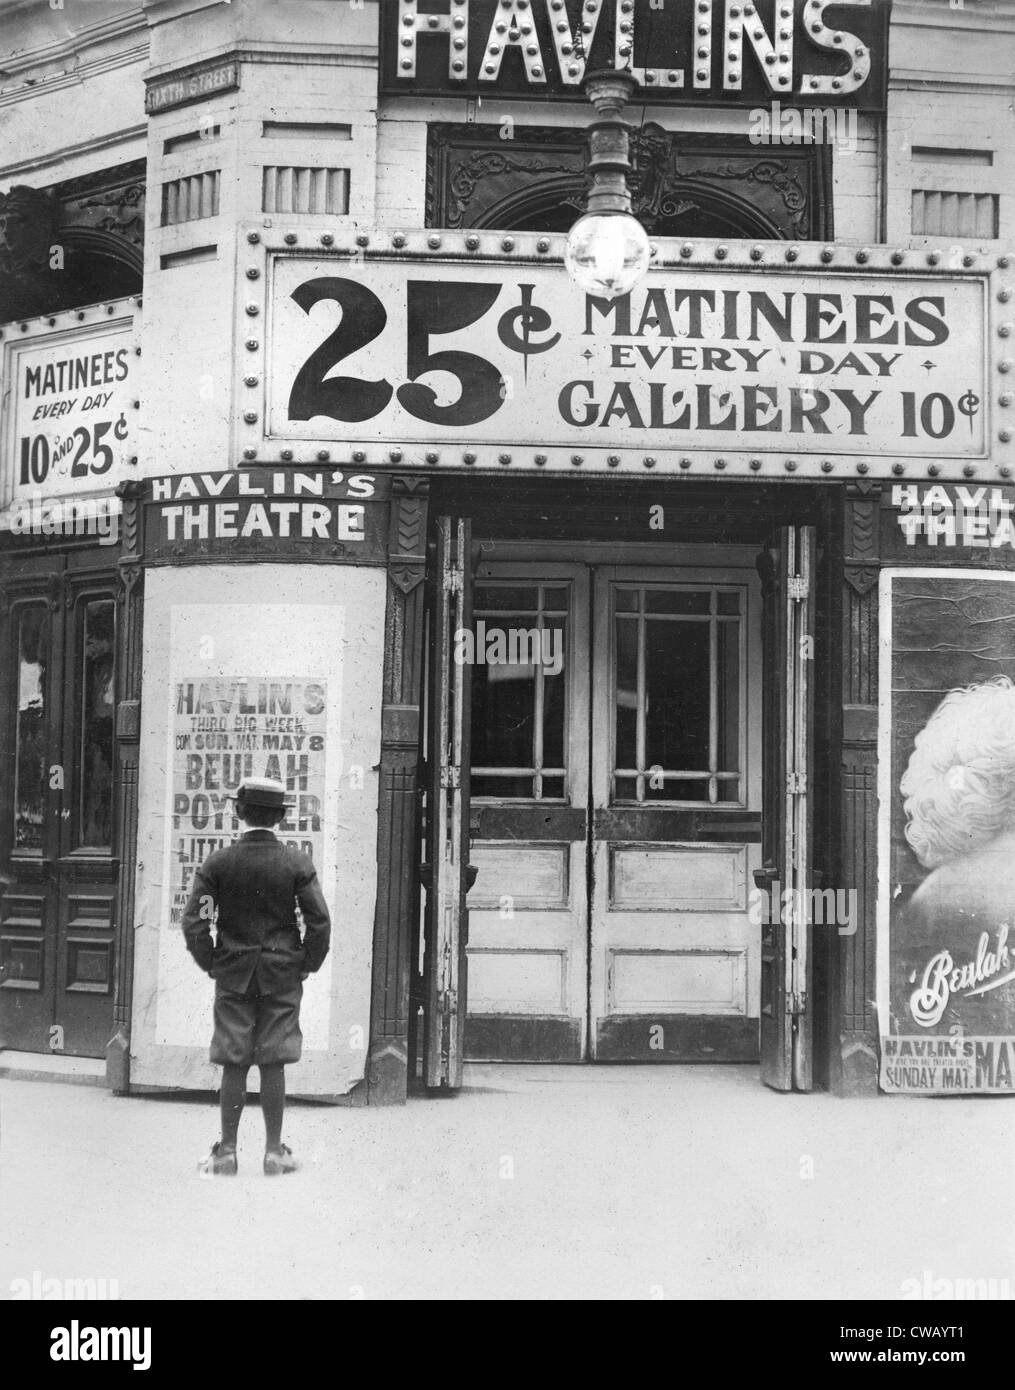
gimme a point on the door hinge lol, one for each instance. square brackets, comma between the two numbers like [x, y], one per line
[796, 1002]
[447, 1002]
[454, 579]
[797, 587]
[451, 777]
[796, 782]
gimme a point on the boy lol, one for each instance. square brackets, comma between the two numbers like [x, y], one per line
[258, 963]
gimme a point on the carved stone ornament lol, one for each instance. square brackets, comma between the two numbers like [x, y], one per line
[406, 577]
[861, 578]
[862, 536]
[122, 211]
[78, 242]
[27, 220]
[130, 572]
[682, 183]
[409, 531]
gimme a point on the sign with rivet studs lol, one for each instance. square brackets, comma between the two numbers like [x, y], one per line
[698, 52]
[469, 350]
[69, 393]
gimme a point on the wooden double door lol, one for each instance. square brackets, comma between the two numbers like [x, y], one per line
[615, 808]
[619, 805]
[58, 862]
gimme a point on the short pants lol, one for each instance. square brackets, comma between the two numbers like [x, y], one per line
[256, 1028]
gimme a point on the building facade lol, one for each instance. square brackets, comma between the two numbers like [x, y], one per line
[641, 668]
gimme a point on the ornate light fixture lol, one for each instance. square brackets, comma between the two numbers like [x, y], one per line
[607, 249]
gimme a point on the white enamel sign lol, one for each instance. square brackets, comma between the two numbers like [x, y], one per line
[452, 362]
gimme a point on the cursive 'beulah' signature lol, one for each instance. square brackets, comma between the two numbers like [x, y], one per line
[990, 969]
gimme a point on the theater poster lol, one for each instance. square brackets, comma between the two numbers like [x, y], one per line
[946, 911]
[257, 671]
[229, 729]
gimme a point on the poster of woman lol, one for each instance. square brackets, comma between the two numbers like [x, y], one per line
[946, 969]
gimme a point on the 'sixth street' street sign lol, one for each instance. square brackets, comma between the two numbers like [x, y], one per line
[192, 84]
[751, 367]
[699, 52]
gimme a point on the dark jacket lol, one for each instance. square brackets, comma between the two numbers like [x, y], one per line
[250, 891]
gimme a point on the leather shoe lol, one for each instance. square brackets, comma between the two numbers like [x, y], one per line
[220, 1163]
[278, 1161]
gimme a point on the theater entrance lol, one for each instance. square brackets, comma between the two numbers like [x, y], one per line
[607, 729]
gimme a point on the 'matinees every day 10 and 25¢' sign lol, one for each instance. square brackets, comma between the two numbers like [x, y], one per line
[867, 366]
[69, 404]
[699, 52]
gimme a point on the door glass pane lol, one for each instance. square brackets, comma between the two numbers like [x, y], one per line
[503, 706]
[555, 600]
[518, 598]
[678, 697]
[519, 690]
[627, 692]
[678, 789]
[554, 692]
[95, 806]
[677, 601]
[505, 788]
[728, 705]
[30, 732]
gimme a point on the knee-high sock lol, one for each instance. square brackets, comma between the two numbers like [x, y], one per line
[273, 1102]
[231, 1099]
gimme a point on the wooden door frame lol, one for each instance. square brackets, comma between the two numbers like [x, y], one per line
[396, 937]
[563, 510]
[448, 872]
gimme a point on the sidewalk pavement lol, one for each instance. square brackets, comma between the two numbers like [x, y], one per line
[622, 1182]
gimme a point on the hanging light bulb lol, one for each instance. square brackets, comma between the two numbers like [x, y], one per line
[607, 253]
[607, 249]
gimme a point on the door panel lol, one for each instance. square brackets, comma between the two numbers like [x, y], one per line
[28, 948]
[529, 907]
[674, 967]
[85, 869]
[57, 832]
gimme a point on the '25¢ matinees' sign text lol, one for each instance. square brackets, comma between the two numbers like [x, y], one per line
[872, 365]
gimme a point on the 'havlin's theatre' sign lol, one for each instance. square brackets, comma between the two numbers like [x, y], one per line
[294, 514]
[699, 52]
